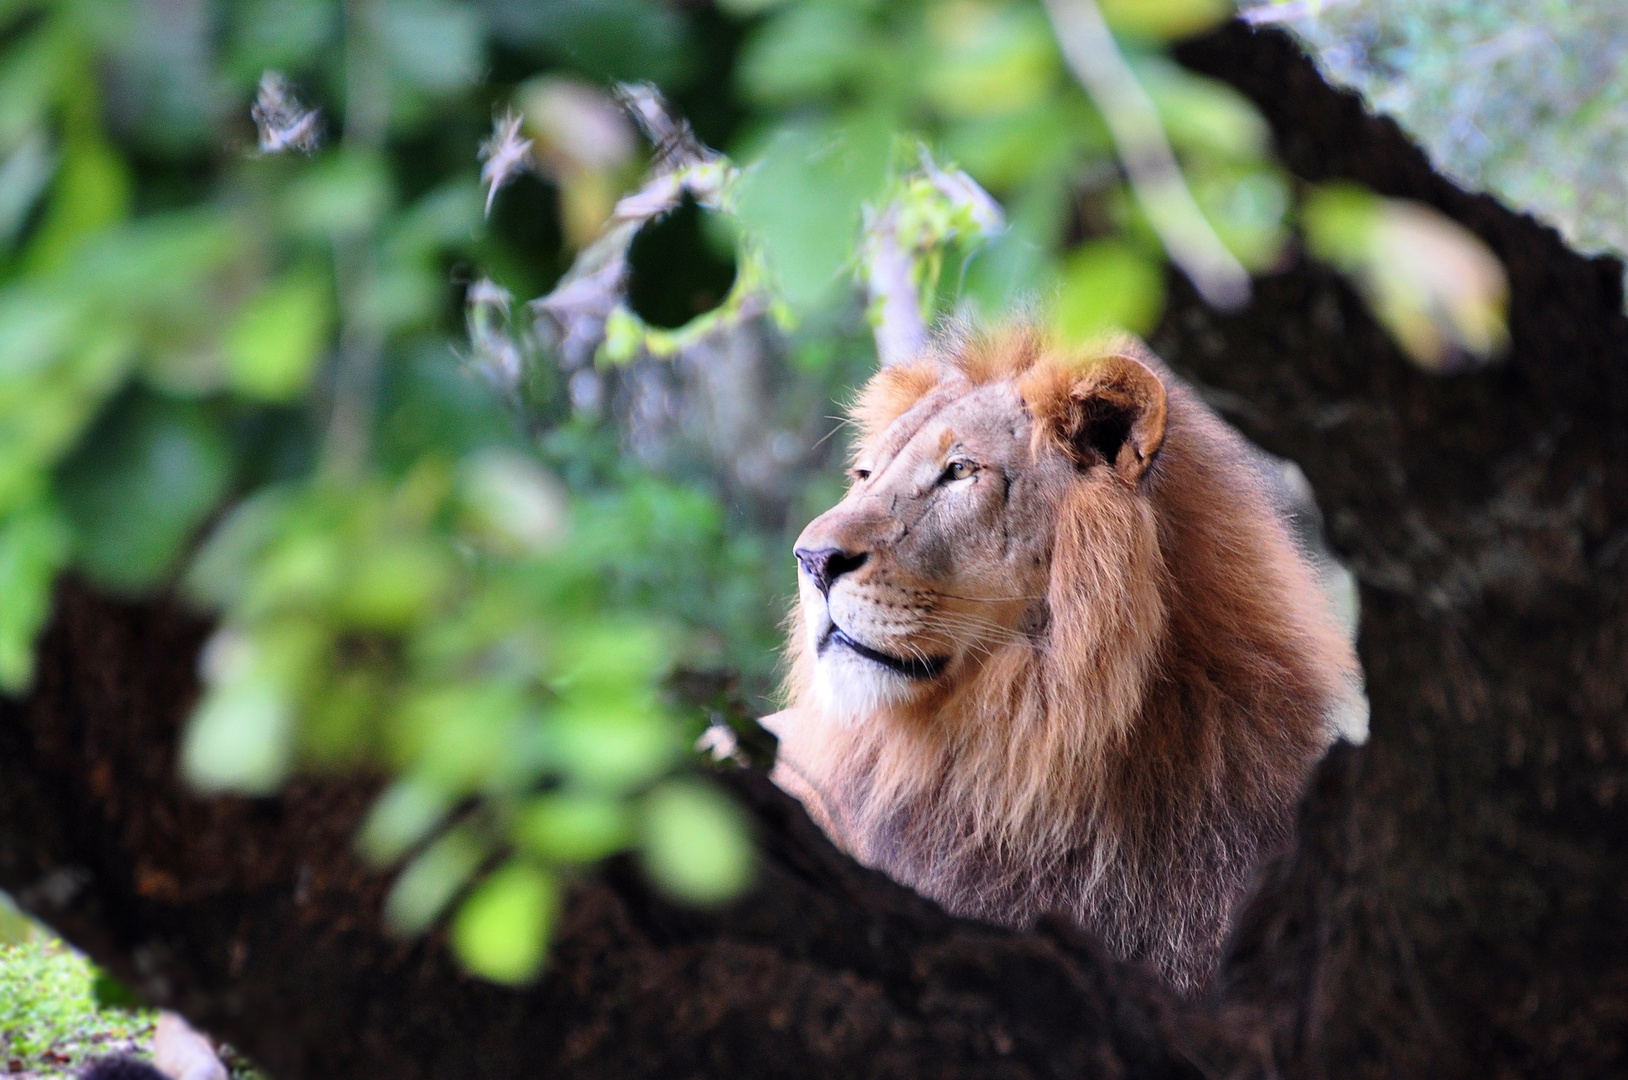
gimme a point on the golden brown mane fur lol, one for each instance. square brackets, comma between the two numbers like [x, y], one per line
[1126, 742]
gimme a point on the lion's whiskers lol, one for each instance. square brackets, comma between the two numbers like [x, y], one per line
[964, 625]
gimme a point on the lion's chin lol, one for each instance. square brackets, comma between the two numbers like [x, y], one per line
[849, 688]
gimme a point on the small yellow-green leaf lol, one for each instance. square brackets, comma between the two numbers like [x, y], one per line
[456, 734]
[501, 931]
[278, 337]
[988, 59]
[695, 843]
[92, 192]
[1435, 285]
[221, 568]
[1163, 19]
[336, 727]
[1107, 286]
[395, 583]
[305, 567]
[613, 748]
[573, 827]
[1340, 220]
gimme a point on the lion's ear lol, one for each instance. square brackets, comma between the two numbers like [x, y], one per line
[1117, 416]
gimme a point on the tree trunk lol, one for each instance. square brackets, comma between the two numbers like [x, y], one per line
[1457, 904]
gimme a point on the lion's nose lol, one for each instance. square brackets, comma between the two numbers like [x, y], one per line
[825, 565]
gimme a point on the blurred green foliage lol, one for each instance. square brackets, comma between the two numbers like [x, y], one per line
[237, 373]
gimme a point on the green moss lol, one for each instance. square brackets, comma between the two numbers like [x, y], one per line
[49, 1021]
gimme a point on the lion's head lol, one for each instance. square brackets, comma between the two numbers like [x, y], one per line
[1056, 650]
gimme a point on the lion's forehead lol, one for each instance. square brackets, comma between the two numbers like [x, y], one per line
[989, 419]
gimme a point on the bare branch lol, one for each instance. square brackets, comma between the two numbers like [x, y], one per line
[1088, 46]
[284, 123]
[900, 329]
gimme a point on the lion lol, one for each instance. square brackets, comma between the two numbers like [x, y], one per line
[1056, 650]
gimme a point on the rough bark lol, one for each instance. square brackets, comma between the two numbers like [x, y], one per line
[1455, 907]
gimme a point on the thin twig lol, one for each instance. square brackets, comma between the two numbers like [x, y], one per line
[361, 342]
[1133, 121]
[900, 330]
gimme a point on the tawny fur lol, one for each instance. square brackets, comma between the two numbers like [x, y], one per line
[1125, 745]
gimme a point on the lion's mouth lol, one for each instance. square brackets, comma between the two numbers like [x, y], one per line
[910, 667]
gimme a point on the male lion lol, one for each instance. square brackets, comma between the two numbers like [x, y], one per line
[1056, 649]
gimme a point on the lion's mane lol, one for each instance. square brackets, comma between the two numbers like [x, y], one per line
[1132, 765]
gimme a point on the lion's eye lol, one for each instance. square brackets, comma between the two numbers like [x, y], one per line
[860, 474]
[958, 470]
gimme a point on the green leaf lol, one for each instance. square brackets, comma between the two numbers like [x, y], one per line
[573, 828]
[1164, 19]
[278, 34]
[802, 199]
[36, 327]
[406, 813]
[1107, 286]
[1340, 220]
[989, 59]
[30, 72]
[695, 843]
[808, 50]
[612, 746]
[34, 545]
[337, 727]
[402, 296]
[161, 261]
[306, 567]
[240, 738]
[1203, 114]
[27, 172]
[603, 655]
[501, 932]
[140, 485]
[512, 504]
[278, 337]
[447, 216]
[92, 192]
[1014, 149]
[343, 194]
[1246, 206]
[456, 734]
[430, 882]
[433, 45]
[395, 583]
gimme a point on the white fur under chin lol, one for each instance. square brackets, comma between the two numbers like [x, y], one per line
[849, 688]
